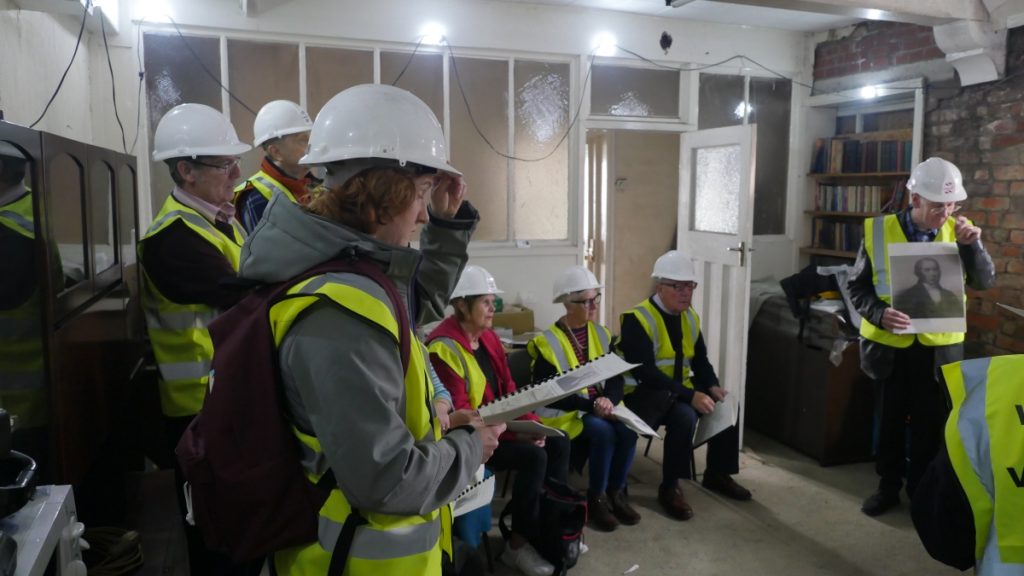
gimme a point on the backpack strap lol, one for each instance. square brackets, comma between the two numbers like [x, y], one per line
[339, 557]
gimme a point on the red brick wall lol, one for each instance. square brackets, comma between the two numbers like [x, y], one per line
[875, 46]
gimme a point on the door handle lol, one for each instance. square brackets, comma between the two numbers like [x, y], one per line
[742, 249]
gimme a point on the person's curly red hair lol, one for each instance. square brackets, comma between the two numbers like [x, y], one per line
[367, 200]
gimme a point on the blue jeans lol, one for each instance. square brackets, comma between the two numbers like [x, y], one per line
[612, 446]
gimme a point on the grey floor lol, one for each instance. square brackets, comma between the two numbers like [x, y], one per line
[803, 520]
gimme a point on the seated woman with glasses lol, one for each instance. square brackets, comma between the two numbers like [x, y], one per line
[587, 417]
[470, 360]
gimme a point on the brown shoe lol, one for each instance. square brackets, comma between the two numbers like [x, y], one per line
[621, 508]
[725, 485]
[601, 517]
[673, 501]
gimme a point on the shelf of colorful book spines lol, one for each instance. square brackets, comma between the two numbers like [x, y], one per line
[852, 156]
[860, 200]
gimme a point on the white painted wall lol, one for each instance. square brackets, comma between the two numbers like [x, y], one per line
[527, 276]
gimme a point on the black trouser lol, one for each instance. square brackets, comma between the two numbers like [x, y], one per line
[532, 465]
[680, 423]
[911, 391]
[201, 560]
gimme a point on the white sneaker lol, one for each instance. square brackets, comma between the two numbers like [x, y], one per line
[527, 561]
[584, 548]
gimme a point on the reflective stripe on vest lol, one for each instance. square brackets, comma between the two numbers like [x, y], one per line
[387, 544]
[985, 442]
[178, 332]
[266, 185]
[464, 364]
[664, 354]
[18, 217]
[879, 233]
[554, 347]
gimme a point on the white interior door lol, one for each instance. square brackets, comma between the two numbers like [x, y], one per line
[716, 200]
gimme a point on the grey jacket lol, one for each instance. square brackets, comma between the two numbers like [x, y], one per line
[343, 376]
[876, 359]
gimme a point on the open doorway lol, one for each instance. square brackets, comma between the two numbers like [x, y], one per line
[631, 211]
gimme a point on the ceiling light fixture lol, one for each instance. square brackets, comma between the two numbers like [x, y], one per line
[432, 34]
[605, 44]
[868, 92]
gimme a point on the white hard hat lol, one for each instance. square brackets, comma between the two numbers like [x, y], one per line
[280, 118]
[192, 130]
[574, 279]
[475, 281]
[937, 180]
[377, 121]
[674, 265]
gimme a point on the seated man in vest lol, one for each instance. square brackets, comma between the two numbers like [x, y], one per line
[967, 506]
[675, 383]
[193, 244]
[282, 130]
[905, 366]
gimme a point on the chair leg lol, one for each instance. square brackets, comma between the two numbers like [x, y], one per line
[648, 448]
[486, 540]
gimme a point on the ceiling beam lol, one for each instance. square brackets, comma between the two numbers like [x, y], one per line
[924, 12]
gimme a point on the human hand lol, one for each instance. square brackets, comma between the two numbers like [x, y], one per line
[603, 407]
[537, 440]
[447, 195]
[702, 403]
[893, 320]
[966, 233]
[718, 393]
[488, 439]
[441, 408]
[464, 417]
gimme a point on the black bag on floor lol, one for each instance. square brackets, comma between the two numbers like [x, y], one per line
[563, 514]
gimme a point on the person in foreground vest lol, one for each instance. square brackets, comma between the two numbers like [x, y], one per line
[282, 130]
[355, 408]
[587, 417]
[905, 366]
[969, 504]
[470, 360]
[675, 383]
[192, 246]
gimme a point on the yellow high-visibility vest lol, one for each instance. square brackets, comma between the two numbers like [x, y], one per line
[664, 353]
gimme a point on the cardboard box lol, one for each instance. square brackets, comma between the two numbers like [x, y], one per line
[518, 318]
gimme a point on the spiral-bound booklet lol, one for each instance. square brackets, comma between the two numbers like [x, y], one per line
[477, 494]
[527, 398]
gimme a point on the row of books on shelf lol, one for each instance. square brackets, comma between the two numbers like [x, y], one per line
[836, 235]
[860, 198]
[846, 155]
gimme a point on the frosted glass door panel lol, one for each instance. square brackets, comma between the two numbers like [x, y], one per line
[635, 92]
[716, 189]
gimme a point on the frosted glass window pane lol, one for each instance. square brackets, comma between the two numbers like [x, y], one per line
[331, 70]
[721, 101]
[486, 86]
[637, 92]
[173, 76]
[259, 72]
[65, 176]
[542, 115]
[716, 189]
[101, 206]
[424, 77]
[769, 109]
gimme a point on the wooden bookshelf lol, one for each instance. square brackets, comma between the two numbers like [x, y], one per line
[832, 214]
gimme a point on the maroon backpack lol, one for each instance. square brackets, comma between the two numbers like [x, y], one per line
[250, 495]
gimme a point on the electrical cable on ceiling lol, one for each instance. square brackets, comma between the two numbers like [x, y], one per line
[78, 42]
[113, 87]
[207, 70]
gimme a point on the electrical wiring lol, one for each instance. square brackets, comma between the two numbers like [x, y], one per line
[78, 42]
[142, 76]
[207, 70]
[113, 87]
[407, 62]
[112, 551]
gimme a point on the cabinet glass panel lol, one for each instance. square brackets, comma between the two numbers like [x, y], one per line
[721, 101]
[769, 109]
[248, 63]
[331, 70]
[716, 189]
[65, 180]
[634, 92]
[542, 114]
[485, 83]
[102, 233]
[177, 71]
[127, 218]
[23, 391]
[422, 74]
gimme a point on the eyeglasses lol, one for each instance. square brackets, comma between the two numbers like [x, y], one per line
[224, 167]
[589, 302]
[680, 286]
[947, 208]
